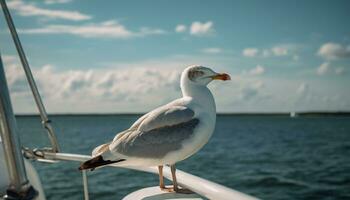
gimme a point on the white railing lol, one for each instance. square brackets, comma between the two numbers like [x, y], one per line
[196, 184]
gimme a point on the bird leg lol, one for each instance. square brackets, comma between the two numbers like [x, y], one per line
[161, 180]
[175, 185]
[173, 174]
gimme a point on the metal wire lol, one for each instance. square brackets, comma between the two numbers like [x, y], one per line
[44, 118]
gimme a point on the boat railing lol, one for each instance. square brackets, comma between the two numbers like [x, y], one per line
[201, 186]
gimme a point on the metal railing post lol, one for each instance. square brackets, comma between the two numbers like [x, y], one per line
[85, 185]
[19, 185]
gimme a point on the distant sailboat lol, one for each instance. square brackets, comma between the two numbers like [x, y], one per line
[293, 114]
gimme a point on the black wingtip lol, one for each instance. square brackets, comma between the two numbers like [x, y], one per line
[92, 163]
[96, 162]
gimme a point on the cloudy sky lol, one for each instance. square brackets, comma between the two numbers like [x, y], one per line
[127, 56]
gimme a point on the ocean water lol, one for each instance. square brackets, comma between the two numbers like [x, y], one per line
[271, 157]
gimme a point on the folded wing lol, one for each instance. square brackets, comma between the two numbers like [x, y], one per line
[159, 132]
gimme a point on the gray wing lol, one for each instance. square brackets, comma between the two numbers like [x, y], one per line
[159, 133]
[166, 116]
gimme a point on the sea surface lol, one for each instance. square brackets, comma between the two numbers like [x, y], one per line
[271, 157]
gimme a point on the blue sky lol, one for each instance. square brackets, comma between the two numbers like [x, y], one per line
[127, 56]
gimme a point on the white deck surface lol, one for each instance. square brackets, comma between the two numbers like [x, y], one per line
[154, 193]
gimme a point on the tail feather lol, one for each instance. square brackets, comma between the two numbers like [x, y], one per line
[97, 162]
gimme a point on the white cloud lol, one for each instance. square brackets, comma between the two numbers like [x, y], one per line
[202, 29]
[303, 89]
[27, 9]
[8, 58]
[302, 97]
[212, 50]
[250, 91]
[197, 28]
[257, 70]
[120, 87]
[339, 70]
[332, 51]
[14, 75]
[250, 52]
[107, 29]
[180, 28]
[56, 1]
[134, 86]
[323, 68]
[114, 84]
[279, 51]
[327, 68]
[143, 85]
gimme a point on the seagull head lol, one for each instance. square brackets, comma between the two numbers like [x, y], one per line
[201, 75]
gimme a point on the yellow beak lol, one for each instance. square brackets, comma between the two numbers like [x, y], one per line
[223, 77]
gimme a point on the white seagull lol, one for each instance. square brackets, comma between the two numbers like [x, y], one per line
[168, 134]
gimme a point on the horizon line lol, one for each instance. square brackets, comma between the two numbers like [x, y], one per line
[219, 113]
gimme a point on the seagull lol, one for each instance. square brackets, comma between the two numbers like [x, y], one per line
[167, 134]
